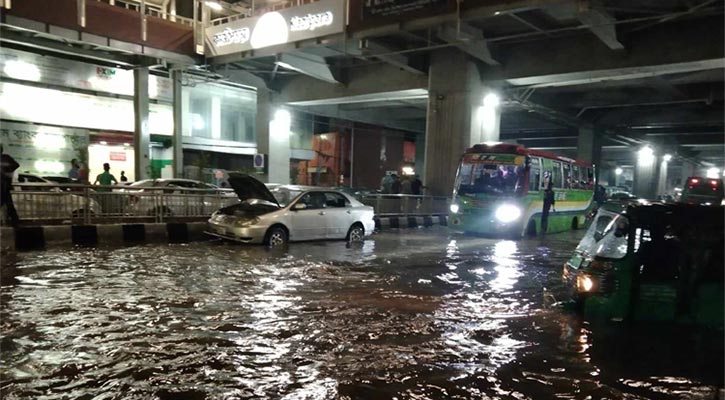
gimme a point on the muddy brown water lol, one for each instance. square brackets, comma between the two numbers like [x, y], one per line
[421, 315]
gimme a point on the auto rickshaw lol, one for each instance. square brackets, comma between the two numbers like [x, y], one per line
[650, 261]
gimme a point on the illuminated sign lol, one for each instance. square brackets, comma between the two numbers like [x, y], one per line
[230, 36]
[310, 22]
[320, 18]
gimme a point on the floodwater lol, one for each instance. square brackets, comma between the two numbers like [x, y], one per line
[420, 315]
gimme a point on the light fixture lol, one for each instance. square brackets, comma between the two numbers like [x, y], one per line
[491, 100]
[103, 143]
[214, 5]
[22, 70]
[713, 172]
[271, 29]
[667, 157]
[618, 171]
[407, 170]
[646, 156]
[127, 144]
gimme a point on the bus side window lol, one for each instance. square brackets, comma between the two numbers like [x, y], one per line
[534, 179]
[575, 178]
[556, 174]
[590, 178]
[567, 176]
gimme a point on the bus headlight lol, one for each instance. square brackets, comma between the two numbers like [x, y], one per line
[454, 208]
[507, 213]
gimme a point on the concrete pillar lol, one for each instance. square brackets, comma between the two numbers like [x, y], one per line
[141, 137]
[646, 175]
[688, 169]
[261, 128]
[455, 119]
[589, 148]
[662, 177]
[279, 147]
[178, 110]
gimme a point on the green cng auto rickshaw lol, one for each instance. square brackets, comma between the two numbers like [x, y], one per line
[651, 261]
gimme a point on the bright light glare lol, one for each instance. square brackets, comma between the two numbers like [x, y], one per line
[646, 156]
[408, 171]
[127, 144]
[508, 213]
[271, 29]
[19, 69]
[48, 166]
[713, 172]
[214, 5]
[454, 208]
[618, 171]
[279, 127]
[49, 142]
[586, 283]
[197, 122]
[667, 157]
[103, 142]
[491, 100]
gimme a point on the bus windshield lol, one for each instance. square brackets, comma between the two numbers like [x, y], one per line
[501, 174]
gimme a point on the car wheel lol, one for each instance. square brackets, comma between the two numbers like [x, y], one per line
[276, 237]
[356, 233]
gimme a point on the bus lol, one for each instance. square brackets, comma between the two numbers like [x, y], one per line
[499, 190]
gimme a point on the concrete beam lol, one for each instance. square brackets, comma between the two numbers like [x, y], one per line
[469, 40]
[663, 49]
[602, 25]
[367, 83]
[308, 64]
[385, 118]
[383, 53]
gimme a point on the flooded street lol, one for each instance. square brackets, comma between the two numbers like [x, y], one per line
[427, 314]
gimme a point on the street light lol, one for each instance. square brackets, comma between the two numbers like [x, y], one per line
[713, 172]
[491, 100]
[646, 156]
[214, 5]
[667, 157]
[618, 171]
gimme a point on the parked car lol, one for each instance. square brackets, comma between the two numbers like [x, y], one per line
[39, 198]
[621, 196]
[175, 197]
[703, 191]
[313, 213]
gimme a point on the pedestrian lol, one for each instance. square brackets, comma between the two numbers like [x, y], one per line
[386, 183]
[600, 195]
[82, 173]
[74, 172]
[8, 165]
[123, 176]
[549, 202]
[395, 186]
[416, 186]
[406, 186]
[105, 179]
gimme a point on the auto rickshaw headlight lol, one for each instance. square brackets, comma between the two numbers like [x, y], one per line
[585, 283]
[454, 208]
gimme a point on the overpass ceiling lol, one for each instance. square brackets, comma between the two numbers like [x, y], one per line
[663, 85]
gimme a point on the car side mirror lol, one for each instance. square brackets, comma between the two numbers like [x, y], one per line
[299, 206]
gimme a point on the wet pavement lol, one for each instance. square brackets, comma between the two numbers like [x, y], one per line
[425, 314]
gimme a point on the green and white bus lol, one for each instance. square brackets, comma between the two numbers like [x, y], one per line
[499, 190]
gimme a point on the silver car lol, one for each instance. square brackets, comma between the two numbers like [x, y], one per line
[315, 213]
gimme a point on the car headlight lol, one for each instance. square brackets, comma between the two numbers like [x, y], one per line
[507, 213]
[454, 208]
[246, 222]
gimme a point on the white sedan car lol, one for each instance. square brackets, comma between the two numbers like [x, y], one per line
[315, 213]
[39, 198]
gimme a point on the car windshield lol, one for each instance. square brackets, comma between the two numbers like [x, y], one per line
[491, 174]
[285, 195]
[600, 239]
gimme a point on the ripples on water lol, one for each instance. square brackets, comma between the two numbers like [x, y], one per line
[408, 317]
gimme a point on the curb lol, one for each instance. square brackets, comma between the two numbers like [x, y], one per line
[401, 222]
[42, 237]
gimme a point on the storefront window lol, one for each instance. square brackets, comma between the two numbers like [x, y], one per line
[214, 111]
[302, 128]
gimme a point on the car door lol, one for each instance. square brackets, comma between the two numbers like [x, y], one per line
[309, 223]
[338, 214]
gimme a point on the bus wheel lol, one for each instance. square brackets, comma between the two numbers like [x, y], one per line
[531, 228]
[575, 223]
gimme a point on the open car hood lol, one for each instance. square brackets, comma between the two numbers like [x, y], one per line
[247, 187]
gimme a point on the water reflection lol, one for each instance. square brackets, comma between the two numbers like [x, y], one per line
[392, 318]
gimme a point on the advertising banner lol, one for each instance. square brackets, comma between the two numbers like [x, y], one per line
[56, 71]
[321, 18]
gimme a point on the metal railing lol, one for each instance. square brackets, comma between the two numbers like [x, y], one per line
[259, 11]
[150, 10]
[49, 204]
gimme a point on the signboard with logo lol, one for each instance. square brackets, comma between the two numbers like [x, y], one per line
[259, 161]
[24, 66]
[321, 18]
